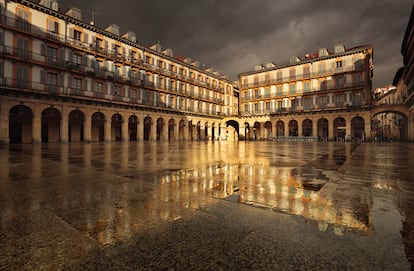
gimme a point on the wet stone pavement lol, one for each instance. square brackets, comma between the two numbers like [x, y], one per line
[207, 206]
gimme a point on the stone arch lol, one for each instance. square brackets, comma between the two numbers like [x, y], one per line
[389, 125]
[323, 129]
[280, 128]
[50, 131]
[293, 127]
[133, 128]
[147, 128]
[171, 126]
[256, 130]
[339, 128]
[98, 126]
[116, 127]
[190, 130]
[76, 126]
[247, 130]
[268, 128]
[20, 124]
[307, 127]
[160, 128]
[358, 128]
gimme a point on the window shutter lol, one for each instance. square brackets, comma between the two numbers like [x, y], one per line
[51, 26]
[85, 38]
[61, 79]
[43, 49]
[71, 33]
[42, 77]
[85, 61]
[106, 45]
[85, 83]
[62, 55]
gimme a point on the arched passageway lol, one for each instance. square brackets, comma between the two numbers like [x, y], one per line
[339, 129]
[181, 130]
[116, 127]
[171, 126]
[293, 128]
[247, 130]
[160, 128]
[268, 130]
[147, 128]
[20, 124]
[323, 129]
[280, 128]
[190, 130]
[198, 131]
[307, 127]
[98, 127]
[76, 126]
[357, 128]
[50, 125]
[256, 130]
[133, 128]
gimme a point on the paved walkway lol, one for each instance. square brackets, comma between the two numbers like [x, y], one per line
[207, 206]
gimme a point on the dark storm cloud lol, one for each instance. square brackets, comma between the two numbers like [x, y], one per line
[235, 35]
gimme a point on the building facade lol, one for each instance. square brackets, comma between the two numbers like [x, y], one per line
[326, 95]
[64, 80]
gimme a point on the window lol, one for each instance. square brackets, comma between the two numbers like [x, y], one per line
[339, 81]
[292, 88]
[306, 86]
[77, 59]
[267, 107]
[267, 92]
[321, 67]
[246, 108]
[52, 79]
[338, 64]
[292, 74]
[256, 108]
[306, 71]
[279, 76]
[23, 20]
[77, 35]
[357, 78]
[53, 27]
[279, 90]
[22, 76]
[98, 87]
[77, 83]
[51, 55]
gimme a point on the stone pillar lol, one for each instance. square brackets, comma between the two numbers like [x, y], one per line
[87, 128]
[176, 130]
[348, 129]
[300, 128]
[140, 129]
[108, 126]
[37, 125]
[367, 129]
[185, 128]
[330, 130]
[4, 123]
[125, 134]
[64, 124]
[315, 128]
[202, 134]
[153, 132]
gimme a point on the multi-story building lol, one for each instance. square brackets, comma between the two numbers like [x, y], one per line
[64, 80]
[325, 95]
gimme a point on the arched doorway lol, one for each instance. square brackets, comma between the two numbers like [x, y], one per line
[390, 125]
[205, 136]
[76, 122]
[20, 124]
[307, 127]
[190, 130]
[116, 127]
[160, 128]
[256, 131]
[268, 129]
[98, 127]
[133, 128]
[234, 124]
[340, 129]
[323, 131]
[358, 128]
[213, 131]
[147, 128]
[50, 125]
[293, 128]
[171, 125]
[247, 130]
[280, 128]
[198, 131]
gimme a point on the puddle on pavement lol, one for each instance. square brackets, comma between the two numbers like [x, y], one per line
[281, 189]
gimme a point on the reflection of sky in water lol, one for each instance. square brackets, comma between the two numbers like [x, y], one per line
[284, 189]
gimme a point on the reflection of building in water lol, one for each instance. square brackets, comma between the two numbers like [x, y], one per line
[274, 188]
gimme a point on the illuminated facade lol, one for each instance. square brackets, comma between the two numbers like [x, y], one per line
[325, 95]
[64, 80]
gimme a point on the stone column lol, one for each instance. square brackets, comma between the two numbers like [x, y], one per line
[330, 130]
[153, 132]
[87, 128]
[37, 125]
[348, 128]
[140, 129]
[315, 128]
[108, 126]
[64, 124]
[176, 130]
[4, 123]
[125, 134]
[300, 128]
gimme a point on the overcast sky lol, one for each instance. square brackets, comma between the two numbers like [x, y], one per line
[233, 36]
